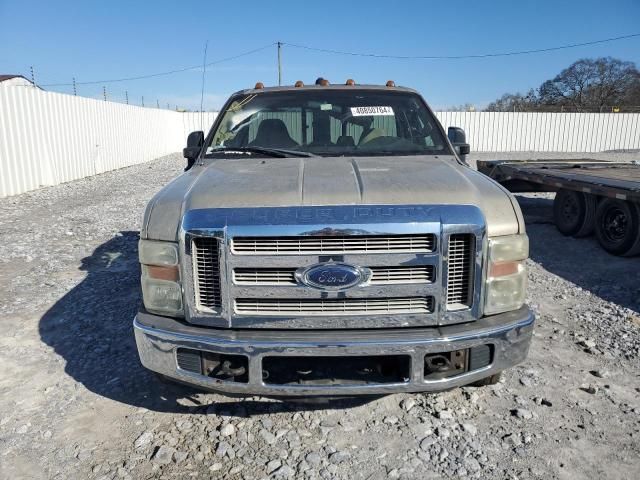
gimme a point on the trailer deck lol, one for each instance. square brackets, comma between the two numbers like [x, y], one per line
[598, 177]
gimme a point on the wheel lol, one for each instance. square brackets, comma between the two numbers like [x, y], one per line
[569, 210]
[635, 248]
[492, 380]
[589, 220]
[617, 226]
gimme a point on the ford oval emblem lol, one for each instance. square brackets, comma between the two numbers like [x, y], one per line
[332, 276]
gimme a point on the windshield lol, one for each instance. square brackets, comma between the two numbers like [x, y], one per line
[329, 123]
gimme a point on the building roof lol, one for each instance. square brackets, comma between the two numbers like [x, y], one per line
[9, 77]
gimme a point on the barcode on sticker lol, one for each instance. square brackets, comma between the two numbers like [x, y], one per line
[366, 111]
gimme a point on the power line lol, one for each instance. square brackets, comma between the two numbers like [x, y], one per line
[160, 74]
[460, 57]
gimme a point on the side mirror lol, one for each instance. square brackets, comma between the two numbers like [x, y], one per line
[458, 138]
[195, 140]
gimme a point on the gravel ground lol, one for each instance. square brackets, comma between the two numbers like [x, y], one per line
[75, 402]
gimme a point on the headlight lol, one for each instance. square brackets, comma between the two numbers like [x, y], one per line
[506, 274]
[158, 253]
[161, 287]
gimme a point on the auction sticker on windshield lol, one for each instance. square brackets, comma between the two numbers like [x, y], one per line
[367, 111]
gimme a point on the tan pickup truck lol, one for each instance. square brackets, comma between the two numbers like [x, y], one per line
[329, 240]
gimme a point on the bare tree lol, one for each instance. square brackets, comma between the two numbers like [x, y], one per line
[467, 107]
[588, 84]
[511, 102]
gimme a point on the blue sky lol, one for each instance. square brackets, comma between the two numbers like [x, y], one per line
[104, 40]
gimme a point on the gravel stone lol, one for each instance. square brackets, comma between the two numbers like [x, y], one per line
[164, 455]
[285, 471]
[313, 459]
[268, 437]
[143, 440]
[228, 430]
[522, 413]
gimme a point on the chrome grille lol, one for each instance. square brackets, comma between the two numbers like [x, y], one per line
[460, 275]
[380, 275]
[401, 274]
[206, 266]
[333, 244]
[342, 306]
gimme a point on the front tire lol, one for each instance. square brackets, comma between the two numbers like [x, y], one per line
[618, 226]
[485, 382]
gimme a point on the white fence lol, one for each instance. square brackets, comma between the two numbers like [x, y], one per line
[48, 138]
[546, 132]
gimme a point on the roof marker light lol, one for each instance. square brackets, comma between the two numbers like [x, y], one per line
[299, 84]
[259, 86]
[350, 81]
[391, 83]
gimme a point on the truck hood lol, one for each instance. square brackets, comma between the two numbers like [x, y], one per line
[258, 182]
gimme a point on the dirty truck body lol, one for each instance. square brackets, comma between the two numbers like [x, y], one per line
[327, 240]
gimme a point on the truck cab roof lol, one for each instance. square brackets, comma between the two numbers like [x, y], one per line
[293, 88]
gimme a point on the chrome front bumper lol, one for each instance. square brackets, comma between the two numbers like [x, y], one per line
[159, 337]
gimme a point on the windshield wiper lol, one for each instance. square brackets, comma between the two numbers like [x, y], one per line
[271, 152]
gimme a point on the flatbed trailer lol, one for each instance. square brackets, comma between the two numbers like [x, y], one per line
[591, 196]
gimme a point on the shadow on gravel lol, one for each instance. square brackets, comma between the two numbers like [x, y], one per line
[91, 329]
[580, 261]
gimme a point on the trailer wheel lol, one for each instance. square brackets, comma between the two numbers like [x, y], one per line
[635, 248]
[617, 226]
[569, 209]
[589, 220]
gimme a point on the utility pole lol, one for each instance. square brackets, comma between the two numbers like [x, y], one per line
[126, 97]
[75, 92]
[33, 77]
[279, 64]
[104, 93]
[143, 100]
[157, 103]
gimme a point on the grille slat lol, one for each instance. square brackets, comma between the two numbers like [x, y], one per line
[333, 244]
[380, 275]
[342, 306]
[206, 262]
[460, 274]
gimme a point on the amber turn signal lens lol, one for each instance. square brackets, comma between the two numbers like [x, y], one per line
[163, 273]
[504, 268]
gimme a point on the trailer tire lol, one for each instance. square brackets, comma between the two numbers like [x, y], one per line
[569, 209]
[589, 221]
[635, 248]
[617, 226]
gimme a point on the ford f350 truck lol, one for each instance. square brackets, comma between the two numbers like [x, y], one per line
[329, 240]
